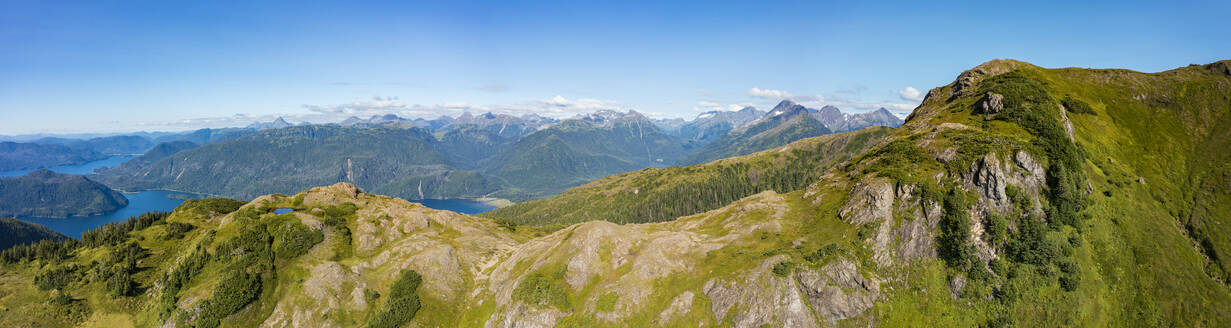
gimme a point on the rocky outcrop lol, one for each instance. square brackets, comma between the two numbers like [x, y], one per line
[992, 104]
[761, 298]
[838, 291]
[525, 316]
[870, 200]
[989, 179]
[968, 81]
[1068, 125]
[680, 305]
[916, 239]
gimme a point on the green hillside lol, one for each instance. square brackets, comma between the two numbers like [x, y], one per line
[47, 194]
[1015, 196]
[17, 232]
[574, 152]
[652, 195]
[295, 158]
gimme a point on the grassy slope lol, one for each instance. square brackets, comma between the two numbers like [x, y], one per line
[1139, 265]
[652, 195]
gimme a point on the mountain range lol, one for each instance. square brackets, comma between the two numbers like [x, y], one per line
[1014, 196]
[470, 156]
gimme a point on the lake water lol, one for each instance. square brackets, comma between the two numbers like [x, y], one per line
[138, 203]
[160, 200]
[165, 201]
[86, 168]
[464, 206]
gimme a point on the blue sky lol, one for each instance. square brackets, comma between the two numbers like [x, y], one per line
[109, 66]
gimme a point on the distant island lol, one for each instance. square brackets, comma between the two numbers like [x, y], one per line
[47, 194]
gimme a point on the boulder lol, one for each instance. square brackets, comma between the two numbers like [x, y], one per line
[992, 104]
[838, 291]
[870, 199]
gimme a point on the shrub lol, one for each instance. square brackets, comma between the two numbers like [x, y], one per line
[55, 278]
[954, 246]
[119, 282]
[783, 268]
[823, 253]
[176, 230]
[403, 301]
[1076, 106]
[46, 250]
[213, 205]
[341, 210]
[1029, 244]
[1070, 282]
[235, 290]
[507, 224]
[996, 230]
[538, 289]
[179, 275]
[117, 232]
[292, 238]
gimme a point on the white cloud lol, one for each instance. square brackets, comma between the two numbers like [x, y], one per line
[376, 104]
[706, 106]
[769, 94]
[911, 94]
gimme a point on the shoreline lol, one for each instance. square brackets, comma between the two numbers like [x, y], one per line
[496, 202]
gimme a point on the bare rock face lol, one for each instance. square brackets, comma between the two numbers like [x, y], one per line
[989, 179]
[957, 285]
[838, 291]
[1068, 125]
[1033, 172]
[870, 200]
[762, 298]
[992, 104]
[325, 294]
[915, 237]
[525, 316]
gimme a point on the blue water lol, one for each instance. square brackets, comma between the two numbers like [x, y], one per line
[157, 200]
[464, 206]
[283, 210]
[138, 203]
[86, 168]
